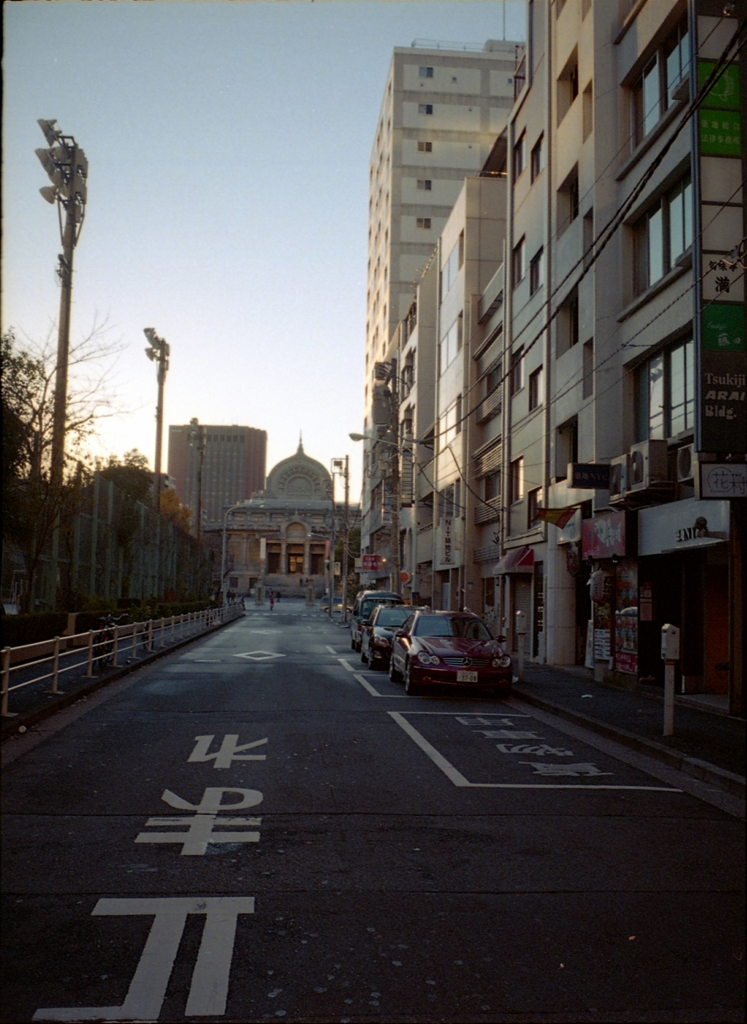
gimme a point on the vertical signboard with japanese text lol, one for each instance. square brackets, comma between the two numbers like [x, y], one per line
[723, 354]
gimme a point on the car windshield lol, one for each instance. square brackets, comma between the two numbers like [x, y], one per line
[392, 616]
[367, 607]
[446, 625]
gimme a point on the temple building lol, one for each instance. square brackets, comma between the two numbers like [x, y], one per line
[281, 537]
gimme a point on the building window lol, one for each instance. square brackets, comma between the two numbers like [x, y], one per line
[423, 222]
[653, 92]
[426, 72]
[538, 157]
[425, 147]
[665, 393]
[520, 155]
[588, 112]
[537, 272]
[451, 266]
[519, 262]
[517, 480]
[663, 234]
[517, 371]
[425, 108]
[567, 86]
[566, 447]
[425, 184]
[492, 485]
[534, 500]
[451, 344]
[567, 321]
[493, 378]
[568, 200]
[536, 388]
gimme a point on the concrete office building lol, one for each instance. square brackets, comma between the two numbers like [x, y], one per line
[233, 467]
[440, 115]
[605, 359]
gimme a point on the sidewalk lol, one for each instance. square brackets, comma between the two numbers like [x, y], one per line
[706, 743]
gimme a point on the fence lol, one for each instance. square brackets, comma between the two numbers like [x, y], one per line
[110, 546]
[102, 648]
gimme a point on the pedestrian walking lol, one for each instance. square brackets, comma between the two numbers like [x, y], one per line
[272, 601]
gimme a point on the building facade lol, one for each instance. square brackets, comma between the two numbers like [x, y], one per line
[594, 478]
[441, 112]
[281, 538]
[232, 463]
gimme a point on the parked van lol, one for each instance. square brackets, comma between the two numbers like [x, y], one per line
[365, 602]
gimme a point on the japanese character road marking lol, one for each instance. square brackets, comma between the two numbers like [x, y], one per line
[209, 988]
[229, 751]
[541, 749]
[200, 832]
[565, 769]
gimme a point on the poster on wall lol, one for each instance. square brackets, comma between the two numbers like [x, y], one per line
[602, 630]
[626, 618]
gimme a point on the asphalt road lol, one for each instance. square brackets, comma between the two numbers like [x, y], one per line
[259, 828]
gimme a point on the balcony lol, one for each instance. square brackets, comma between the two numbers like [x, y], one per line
[491, 406]
[488, 512]
[492, 298]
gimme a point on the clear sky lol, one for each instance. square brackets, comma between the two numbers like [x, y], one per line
[228, 145]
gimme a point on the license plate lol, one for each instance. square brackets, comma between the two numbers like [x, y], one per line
[466, 677]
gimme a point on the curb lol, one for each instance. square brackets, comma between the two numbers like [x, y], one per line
[711, 773]
[29, 718]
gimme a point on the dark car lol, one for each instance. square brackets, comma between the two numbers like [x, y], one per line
[365, 602]
[448, 649]
[376, 637]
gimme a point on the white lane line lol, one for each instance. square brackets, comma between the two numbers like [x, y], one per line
[330, 649]
[455, 776]
[366, 685]
[346, 664]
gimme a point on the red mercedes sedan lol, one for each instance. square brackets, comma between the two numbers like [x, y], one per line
[434, 649]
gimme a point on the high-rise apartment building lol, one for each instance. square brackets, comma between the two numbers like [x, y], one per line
[440, 116]
[233, 466]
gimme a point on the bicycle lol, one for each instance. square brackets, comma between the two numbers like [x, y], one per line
[105, 639]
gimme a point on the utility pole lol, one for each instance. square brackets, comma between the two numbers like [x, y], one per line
[342, 466]
[67, 167]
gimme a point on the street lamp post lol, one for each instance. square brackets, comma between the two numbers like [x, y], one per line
[223, 587]
[342, 466]
[67, 167]
[158, 352]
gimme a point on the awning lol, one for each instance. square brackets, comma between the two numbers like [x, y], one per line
[518, 560]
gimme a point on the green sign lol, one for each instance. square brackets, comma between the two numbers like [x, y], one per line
[723, 328]
[725, 93]
[720, 133]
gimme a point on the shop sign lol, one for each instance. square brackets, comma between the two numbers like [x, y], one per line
[604, 536]
[448, 557]
[682, 526]
[589, 476]
[626, 617]
[723, 480]
[372, 563]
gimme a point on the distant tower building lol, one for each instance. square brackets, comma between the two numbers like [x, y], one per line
[233, 467]
[442, 111]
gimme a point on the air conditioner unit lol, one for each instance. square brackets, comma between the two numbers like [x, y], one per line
[648, 465]
[687, 464]
[619, 468]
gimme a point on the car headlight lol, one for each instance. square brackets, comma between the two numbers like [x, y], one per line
[427, 659]
[502, 662]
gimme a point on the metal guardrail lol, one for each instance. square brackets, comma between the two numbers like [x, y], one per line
[102, 651]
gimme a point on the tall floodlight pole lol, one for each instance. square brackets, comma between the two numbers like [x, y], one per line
[67, 167]
[158, 352]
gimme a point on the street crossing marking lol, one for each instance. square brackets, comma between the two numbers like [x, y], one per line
[208, 991]
[540, 768]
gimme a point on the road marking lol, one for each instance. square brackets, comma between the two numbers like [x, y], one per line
[374, 692]
[209, 988]
[346, 664]
[259, 655]
[229, 751]
[330, 649]
[455, 776]
[200, 825]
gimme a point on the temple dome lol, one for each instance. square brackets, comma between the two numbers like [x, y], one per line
[299, 478]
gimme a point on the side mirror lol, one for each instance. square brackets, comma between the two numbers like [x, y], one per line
[399, 633]
[501, 639]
